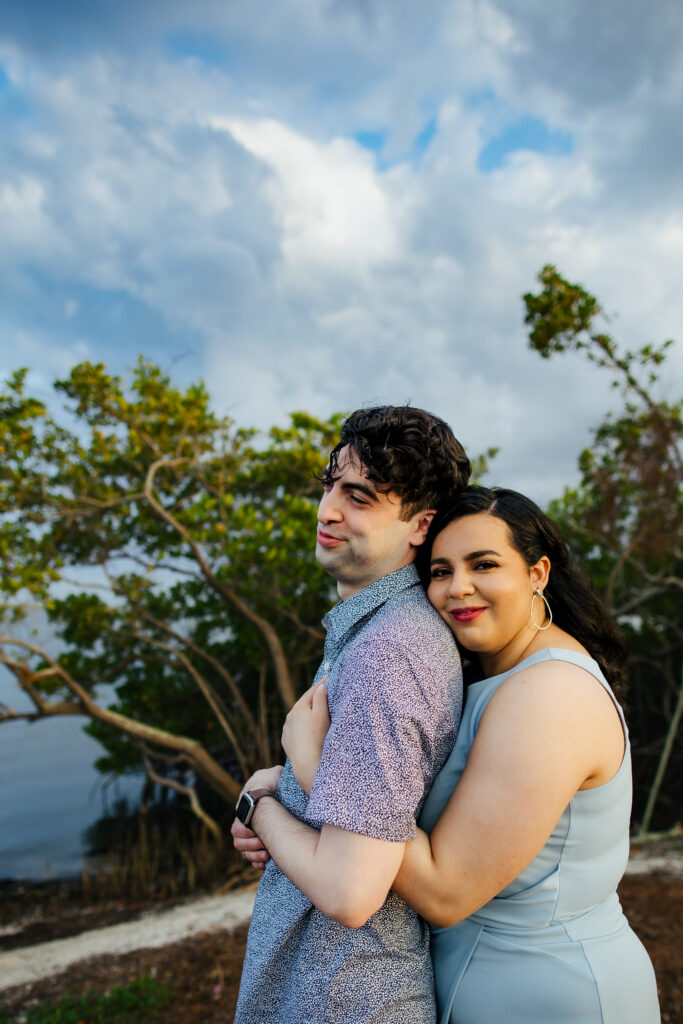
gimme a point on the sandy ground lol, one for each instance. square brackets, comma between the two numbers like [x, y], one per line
[154, 929]
[196, 916]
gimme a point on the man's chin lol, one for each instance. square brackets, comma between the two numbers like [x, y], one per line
[326, 557]
[335, 563]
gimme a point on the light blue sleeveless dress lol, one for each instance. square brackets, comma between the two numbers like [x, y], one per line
[554, 946]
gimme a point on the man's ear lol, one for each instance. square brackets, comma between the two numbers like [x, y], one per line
[422, 522]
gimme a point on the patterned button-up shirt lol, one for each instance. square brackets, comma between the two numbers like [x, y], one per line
[395, 695]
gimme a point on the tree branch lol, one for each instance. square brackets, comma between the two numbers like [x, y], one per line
[26, 680]
[271, 638]
[202, 762]
[209, 694]
[214, 662]
[188, 791]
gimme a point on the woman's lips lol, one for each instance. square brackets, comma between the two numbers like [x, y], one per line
[466, 614]
[326, 540]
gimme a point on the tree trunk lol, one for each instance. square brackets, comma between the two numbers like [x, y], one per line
[663, 762]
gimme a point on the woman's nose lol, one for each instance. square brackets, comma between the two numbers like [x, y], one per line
[460, 584]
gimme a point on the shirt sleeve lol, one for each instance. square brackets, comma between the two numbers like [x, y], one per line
[371, 777]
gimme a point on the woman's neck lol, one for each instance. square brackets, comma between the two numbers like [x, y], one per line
[521, 647]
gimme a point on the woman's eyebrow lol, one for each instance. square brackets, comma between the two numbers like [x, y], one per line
[480, 554]
[440, 561]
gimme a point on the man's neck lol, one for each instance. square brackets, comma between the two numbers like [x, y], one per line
[347, 590]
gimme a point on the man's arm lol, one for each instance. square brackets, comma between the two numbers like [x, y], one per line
[367, 788]
[347, 876]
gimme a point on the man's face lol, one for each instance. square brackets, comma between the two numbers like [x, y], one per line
[361, 536]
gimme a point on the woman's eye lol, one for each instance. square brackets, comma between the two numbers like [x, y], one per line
[438, 574]
[486, 565]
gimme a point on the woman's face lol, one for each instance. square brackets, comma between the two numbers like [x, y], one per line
[482, 587]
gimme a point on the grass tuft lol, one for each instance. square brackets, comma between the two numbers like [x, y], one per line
[139, 1002]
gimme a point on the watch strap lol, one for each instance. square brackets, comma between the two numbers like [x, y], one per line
[256, 794]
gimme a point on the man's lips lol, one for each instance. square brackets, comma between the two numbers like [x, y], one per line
[466, 614]
[326, 540]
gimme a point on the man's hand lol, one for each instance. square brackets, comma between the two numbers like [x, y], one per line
[304, 733]
[243, 839]
[249, 845]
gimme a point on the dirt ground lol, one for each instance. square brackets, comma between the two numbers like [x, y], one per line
[206, 969]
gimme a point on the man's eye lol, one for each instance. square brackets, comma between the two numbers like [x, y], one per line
[358, 500]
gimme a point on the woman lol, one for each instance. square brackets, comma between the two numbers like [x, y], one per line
[524, 835]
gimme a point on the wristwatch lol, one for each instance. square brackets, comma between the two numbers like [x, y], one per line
[247, 802]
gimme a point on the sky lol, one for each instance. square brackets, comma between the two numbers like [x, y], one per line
[323, 204]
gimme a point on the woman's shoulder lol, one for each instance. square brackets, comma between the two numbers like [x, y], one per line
[571, 664]
[564, 681]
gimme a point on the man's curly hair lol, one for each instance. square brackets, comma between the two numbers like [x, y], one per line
[407, 451]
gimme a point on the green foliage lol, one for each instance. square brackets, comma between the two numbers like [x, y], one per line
[625, 519]
[481, 464]
[140, 1002]
[171, 552]
[561, 318]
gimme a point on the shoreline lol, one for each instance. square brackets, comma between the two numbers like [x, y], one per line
[79, 932]
[204, 961]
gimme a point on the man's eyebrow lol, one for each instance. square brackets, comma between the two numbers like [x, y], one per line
[370, 492]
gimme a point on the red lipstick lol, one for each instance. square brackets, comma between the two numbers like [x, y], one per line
[466, 614]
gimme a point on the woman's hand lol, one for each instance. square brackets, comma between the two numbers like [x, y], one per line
[304, 733]
[244, 840]
[264, 778]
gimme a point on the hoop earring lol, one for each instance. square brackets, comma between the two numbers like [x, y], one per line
[539, 593]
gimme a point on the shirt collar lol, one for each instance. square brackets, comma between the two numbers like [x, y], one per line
[346, 614]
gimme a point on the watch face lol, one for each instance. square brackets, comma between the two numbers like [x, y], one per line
[244, 808]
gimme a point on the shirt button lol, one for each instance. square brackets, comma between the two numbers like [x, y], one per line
[326, 666]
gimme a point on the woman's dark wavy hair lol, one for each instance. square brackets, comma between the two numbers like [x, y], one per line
[405, 450]
[576, 607]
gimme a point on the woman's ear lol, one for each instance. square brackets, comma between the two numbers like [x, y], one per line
[539, 573]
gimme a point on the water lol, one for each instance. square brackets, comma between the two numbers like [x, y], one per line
[49, 792]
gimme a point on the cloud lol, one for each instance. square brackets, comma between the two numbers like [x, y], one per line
[334, 212]
[326, 204]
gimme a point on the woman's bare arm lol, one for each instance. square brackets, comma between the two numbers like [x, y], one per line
[548, 732]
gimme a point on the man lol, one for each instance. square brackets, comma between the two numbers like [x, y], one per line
[334, 944]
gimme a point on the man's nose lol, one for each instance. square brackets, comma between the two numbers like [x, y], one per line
[328, 509]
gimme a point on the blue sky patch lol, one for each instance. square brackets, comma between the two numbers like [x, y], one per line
[104, 319]
[423, 139]
[374, 140]
[485, 96]
[527, 133]
[208, 50]
[13, 103]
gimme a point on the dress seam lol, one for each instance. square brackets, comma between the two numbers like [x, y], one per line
[590, 969]
[559, 860]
